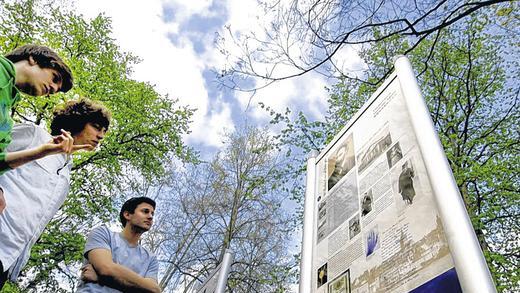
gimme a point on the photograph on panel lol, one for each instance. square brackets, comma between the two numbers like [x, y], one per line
[354, 226]
[341, 284]
[366, 202]
[371, 241]
[405, 183]
[379, 143]
[322, 220]
[340, 162]
[322, 275]
[393, 155]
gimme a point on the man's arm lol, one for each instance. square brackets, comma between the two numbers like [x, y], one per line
[2, 200]
[117, 276]
[63, 143]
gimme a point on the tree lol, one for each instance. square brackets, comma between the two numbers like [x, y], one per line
[473, 97]
[236, 201]
[305, 36]
[145, 133]
[475, 109]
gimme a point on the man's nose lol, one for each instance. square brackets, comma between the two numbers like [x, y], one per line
[101, 134]
[53, 88]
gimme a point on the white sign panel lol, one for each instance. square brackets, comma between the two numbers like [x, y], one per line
[377, 228]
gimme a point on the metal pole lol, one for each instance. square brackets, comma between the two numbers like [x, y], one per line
[470, 264]
[308, 225]
[224, 271]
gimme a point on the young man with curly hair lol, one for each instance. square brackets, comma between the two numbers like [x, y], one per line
[36, 190]
[36, 71]
[116, 262]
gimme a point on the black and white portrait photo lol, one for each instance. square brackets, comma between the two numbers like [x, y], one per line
[406, 182]
[341, 162]
[393, 155]
[366, 202]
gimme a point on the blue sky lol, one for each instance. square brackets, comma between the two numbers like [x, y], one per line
[176, 42]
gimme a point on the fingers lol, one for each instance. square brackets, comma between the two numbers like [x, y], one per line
[88, 274]
[57, 139]
[85, 266]
[78, 147]
[63, 142]
[2, 201]
[69, 141]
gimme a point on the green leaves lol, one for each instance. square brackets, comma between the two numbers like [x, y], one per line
[468, 75]
[145, 133]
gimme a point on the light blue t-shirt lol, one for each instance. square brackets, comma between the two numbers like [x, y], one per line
[136, 258]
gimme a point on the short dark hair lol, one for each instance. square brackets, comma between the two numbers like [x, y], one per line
[45, 58]
[131, 204]
[75, 114]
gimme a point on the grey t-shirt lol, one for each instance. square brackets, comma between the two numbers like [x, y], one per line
[137, 258]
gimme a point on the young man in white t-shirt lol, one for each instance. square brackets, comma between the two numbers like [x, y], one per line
[37, 187]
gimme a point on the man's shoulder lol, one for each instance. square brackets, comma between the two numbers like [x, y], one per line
[102, 228]
[32, 130]
[7, 72]
[102, 231]
[6, 67]
[30, 127]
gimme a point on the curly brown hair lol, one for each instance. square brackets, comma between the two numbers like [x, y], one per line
[75, 114]
[45, 58]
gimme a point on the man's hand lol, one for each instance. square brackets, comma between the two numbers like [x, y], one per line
[63, 143]
[88, 274]
[2, 201]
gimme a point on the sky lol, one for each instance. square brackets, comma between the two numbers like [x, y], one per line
[176, 42]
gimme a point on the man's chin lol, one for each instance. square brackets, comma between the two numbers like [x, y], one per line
[141, 229]
[31, 91]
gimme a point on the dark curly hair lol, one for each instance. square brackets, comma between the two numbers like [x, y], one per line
[45, 58]
[130, 206]
[75, 114]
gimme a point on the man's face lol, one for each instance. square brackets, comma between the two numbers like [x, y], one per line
[142, 218]
[92, 134]
[40, 81]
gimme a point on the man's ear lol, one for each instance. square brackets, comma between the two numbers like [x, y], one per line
[126, 214]
[32, 61]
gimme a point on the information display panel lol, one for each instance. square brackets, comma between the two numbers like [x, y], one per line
[376, 223]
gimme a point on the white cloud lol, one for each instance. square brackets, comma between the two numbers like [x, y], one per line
[174, 69]
[177, 69]
[348, 61]
[306, 92]
[210, 130]
[183, 10]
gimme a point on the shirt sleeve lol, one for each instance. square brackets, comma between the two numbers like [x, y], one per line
[153, 269]
[97, 238]
[7, 100]
[3, 165]
[22, 137]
